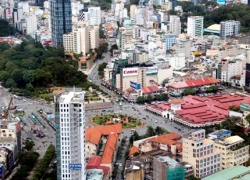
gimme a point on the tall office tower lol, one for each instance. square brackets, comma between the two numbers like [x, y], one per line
[70, 118]
[195, 26]
[175, 25]
[61, 20]
[229, 28]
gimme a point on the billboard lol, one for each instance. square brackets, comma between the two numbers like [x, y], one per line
[75, 166]
[129, 72]
[134, 85]
[151, 70]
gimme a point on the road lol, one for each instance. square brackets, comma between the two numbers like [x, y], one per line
[30, 106]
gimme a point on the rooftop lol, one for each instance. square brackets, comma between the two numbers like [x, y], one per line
[94, 174]
[133, 150]
[169, 161]
[212, 109]
[229, 173]
[71, 96]
[95, 163]
[195, 82]
[109, 150]
[149, 89]
[93, 134]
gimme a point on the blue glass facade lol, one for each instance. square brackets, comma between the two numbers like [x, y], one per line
[61, 20]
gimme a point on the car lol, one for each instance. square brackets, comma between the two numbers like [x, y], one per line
[103, 110]
[144, 118]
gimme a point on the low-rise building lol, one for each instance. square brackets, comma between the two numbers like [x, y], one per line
[179, 87]
[232, 173]
[168, 142]
[165, 168]
[201, 153]
[233, 149]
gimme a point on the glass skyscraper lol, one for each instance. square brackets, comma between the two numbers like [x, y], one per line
[61, 20]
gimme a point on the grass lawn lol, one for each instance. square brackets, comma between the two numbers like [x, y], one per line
[98, 120]
[43, 96]
[165, 131]
[127, 126]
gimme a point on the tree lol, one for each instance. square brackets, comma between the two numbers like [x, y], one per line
[114, 46]
[159, 130]
[149, 98]
[28, 145]
[4, 46]
[150, 131]
[140, 100]
[189, 92]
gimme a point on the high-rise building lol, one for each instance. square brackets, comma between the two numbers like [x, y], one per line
[70, 119]
[82, 39]
[61, 20]
[31, 24]
[17, 16]
[175, 25]
[229, 28]
[201, 153]
[94, 37]
[195, 26]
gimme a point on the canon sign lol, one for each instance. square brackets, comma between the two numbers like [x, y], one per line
[130, 72]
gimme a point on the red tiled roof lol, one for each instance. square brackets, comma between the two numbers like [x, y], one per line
[195, 82]
[93, 134]
[208, 109]
[107, 129]
[168, 139]
[149, 89]
[175, 101]
[133, 150]
[108, 153]
[94, 163]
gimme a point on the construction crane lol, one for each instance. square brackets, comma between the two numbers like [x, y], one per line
[10, 107]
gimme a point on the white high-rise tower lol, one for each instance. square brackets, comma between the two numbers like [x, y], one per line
[70, 119]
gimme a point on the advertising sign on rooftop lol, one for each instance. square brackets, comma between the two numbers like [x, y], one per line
[129, 72]
[151, 70]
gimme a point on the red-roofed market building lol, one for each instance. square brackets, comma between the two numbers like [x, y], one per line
[196, 84]
[195, 111]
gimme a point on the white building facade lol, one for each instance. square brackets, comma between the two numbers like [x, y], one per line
[175, 25]
[195, 26]
[70, 136]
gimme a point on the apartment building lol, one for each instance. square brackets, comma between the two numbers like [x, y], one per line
[94, 37]
[234, 151]
[229, 68]
[170, 41]
[70, 139]
[229, 28]
[10, 145]
[175, 24]
[201, 153]
[195, 26]
[77, 41]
